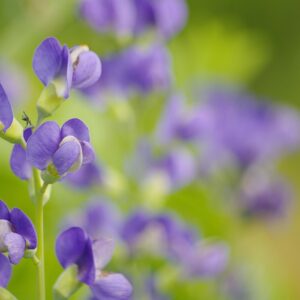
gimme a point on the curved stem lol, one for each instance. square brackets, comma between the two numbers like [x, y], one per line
[39, 191]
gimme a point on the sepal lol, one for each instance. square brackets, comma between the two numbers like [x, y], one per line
[67, 284]
[14, 134]
[48, 101]
[6, 295]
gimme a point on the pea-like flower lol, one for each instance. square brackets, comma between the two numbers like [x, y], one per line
[66, 68]
[58, 151]
[75, 247]
[17, 233]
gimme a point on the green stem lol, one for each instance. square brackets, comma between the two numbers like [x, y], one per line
[39, 191]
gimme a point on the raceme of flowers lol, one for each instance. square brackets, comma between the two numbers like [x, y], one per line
[43, 154]
[135, 17]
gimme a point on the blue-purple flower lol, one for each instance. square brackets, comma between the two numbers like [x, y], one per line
[113, 16]
[17, 233]
[135, 17]
[66, 68]
[58, 151]
[136, 69]
[75, 247]
[167, 17]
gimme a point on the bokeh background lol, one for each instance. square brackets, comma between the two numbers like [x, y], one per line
[251, 45]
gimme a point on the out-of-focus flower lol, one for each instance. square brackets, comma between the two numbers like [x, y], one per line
[244, 129]
[75, 247]
[167, 17]
[206, 261]
[17, 233]
[5, 271]
[176, 167]
[99, 219]
[88, 175]
[262, 196]
[11, 76]
[58, 151]
[113, 16]
[135, 17]
[65, 68]
[134, 70]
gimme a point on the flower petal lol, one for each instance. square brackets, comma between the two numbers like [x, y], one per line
[43, 144]
[67, 157]
[64, 82]
[47, 60]
[70, 246]
[76, 128]
[24, 227]
[87, 70]
[27, 133]
[88, 152]
[86, 265]
[5, 271]
[103, 249]
[19, 164]
[16, 245]
[6, 113]
[4, 211]
[112, 287]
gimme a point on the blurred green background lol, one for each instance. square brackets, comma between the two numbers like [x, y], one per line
[252, 44]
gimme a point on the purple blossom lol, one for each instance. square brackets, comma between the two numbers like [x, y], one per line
[6, 113]
[5, 271]
[17, 233]
[57, 151]
[65, 68]
[87, 176]
[176, 167]
[262, 196]
[142, 70]
[109, 15]
[74, 246]
[167, 17]
[227, 118]
[134, 17]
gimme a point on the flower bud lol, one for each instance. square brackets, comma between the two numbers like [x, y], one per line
[67, 284]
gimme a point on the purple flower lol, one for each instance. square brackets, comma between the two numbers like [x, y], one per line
[6, 113]
[175, 167]
[5, 271]
[167, 17]
[206, 261]
[261, 196]
[65, 68]
[99, 219]
[109, 15]
[17, 233]
[227, 118]
[88, 175]
[57, 151]
[75, 247]
[133, 70]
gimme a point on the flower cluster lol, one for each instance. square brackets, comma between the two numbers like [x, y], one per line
[17, 239]
[157, 235]
[134, 17]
